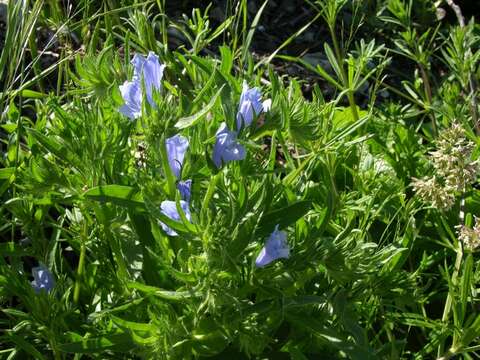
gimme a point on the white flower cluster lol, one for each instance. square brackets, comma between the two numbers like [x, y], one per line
[469, 237]
[454, 169]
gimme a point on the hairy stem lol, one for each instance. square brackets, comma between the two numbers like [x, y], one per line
[428, 95]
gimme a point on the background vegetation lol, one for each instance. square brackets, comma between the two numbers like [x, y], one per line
[367, 159]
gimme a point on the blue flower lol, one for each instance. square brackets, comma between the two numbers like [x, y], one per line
[176, 147]
[169, 208]
[227, 148]
[43, 279]
[150, 71]
[276, 247]
[147, 71]
[185, 189]
[250, 105]
[132, 96]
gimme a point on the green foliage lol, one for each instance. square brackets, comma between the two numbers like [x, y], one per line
[374, 272]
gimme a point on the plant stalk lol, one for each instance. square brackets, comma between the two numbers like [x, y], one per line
[448, 302]
[346, 84]
[428, 95]
[81, 263]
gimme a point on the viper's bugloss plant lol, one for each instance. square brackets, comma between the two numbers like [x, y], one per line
[190, 193]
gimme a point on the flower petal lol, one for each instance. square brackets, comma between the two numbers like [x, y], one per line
[234, 152]
[148, 71]
[250, 105]
[263, 258]
[138, 61]
[43, 279]
[152, 75]
[132, 96]
[227, 148]
[184, 187]
[276, 247]
[176, 148]
[169, 208]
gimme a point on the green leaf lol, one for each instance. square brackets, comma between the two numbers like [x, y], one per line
[304, 300]
[9, 128]
[333, 61]
[6, 173]
[33, 94]
[164, 294]
[466, 285]
[471, 332]
[189, 121]
[251, 32]
[152, 267]
[55, 147]
[25, 346]
[284, 216]
[131, 325]
[117, 194]
[10, 249]
[334, 339]
[114, 342]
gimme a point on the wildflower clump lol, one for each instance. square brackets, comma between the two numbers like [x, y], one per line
[454, 169]
[469, 237]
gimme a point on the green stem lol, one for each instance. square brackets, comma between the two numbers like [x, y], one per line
[353, 105]
[208, 196]
[56, 353]
[448, 302]
[273, 153]
[446, 356]
[345, 82]
[286, 153]
[474, 104]
[81, 262]
[428, 95]
[391, 339]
